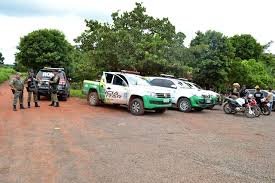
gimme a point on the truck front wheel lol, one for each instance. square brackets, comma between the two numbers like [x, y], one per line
[93, 99]
[137, 107]
[184, 105]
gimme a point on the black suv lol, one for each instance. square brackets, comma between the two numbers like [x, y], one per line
[45, 74]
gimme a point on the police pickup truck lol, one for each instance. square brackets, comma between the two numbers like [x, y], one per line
[45, 74]
[183, 96]
[127, 88]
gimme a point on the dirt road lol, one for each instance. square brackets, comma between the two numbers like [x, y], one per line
[77, 143]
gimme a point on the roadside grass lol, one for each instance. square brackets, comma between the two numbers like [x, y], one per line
[76, 93]
[5, 73]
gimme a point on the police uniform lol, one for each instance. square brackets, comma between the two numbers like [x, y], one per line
[54, 81]
[32, 90]
[17, 86]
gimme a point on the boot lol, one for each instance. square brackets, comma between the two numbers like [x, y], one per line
[14, 108]
[21, 106]
[36, 104]
[52, 104]
[56, 104]
[29, 105]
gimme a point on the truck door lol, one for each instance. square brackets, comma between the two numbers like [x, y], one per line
[119, 90]
[106, 87]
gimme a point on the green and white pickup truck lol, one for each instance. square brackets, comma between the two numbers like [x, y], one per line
[127, 89]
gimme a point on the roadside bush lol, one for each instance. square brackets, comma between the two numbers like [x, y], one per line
[77, 93]
[5, 73]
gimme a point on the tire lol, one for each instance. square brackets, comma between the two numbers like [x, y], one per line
[266, 111]
[248, 114]
[257, 110]
[227, 109]
[136, 107]
[65, 98]
[161, 111]
[93, 99]
[184, 105]
[198, 109]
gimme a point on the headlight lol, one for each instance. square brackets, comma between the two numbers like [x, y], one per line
[152, 94]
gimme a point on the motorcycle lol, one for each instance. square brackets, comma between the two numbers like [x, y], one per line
[265, 107]
[244, 105]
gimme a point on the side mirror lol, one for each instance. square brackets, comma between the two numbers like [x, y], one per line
[174, 86]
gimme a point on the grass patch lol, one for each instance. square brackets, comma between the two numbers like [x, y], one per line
[5, 73]
[77, 93]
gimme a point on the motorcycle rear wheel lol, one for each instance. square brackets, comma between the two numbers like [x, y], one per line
[266, 111]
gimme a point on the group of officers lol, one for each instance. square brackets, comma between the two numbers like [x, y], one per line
[17, 85]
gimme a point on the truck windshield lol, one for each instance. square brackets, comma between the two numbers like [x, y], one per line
[138, 81]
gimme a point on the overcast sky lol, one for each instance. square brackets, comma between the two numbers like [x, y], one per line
[19, 17]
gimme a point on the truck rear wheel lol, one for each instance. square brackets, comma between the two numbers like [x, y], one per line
[137, 107]
[93, 99]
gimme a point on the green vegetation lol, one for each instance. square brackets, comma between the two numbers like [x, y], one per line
[45, 47]
[1, 59]
[5, 73]
[77, 93]
[137, 41]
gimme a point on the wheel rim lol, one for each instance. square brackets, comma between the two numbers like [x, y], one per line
[92, 99]
[184, 105]
[135, 107]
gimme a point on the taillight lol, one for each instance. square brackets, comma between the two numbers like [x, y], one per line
[62, 82]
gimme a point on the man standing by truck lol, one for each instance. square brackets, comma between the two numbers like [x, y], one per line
[54, 81]
[17, 87]
[32, 88]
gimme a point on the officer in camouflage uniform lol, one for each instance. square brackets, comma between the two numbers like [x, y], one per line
[17, 86]
[32, 88]
[54, 81]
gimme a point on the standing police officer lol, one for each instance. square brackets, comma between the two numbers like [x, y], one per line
[32, 88]
[17, 87]
[54, 81]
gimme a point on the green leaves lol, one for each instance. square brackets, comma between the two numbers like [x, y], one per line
[135, 41]
[1, 59]
[45, 47]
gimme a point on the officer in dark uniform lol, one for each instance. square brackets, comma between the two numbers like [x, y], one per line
[54, 81]
[32, 88]
[17, 87]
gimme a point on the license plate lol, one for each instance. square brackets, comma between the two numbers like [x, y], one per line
[166, 100]
[208, 101]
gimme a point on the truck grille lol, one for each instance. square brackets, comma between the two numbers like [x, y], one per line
[206, 96]
[163, 95]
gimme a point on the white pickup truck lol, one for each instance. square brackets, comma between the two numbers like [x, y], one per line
[129, 89]
[183, 96]
[214, 95]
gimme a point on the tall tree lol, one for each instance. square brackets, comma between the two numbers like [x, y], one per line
[213, 53]
[246, 47]
[45, 47]
[1, 59]
[134, 41]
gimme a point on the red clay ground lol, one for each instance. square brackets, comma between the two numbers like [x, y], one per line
[78, 143]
